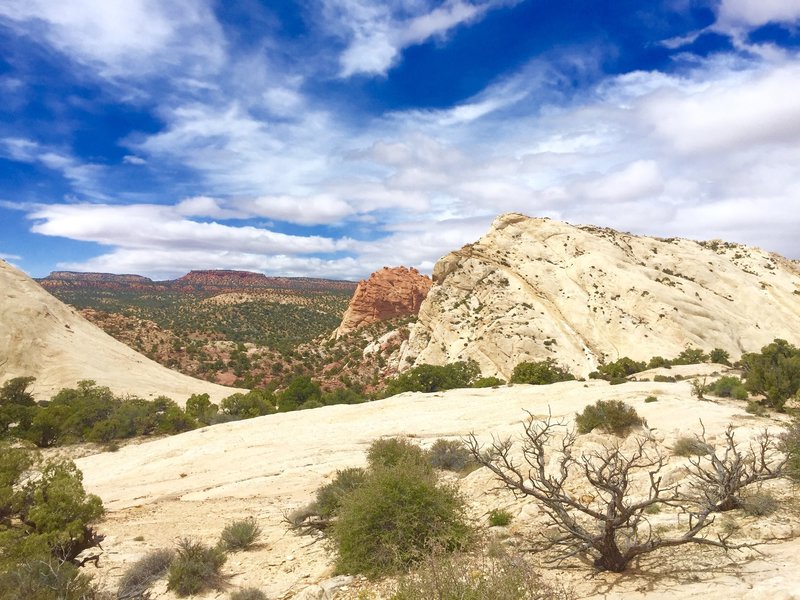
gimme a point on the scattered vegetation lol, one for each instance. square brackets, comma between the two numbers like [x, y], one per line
[248, 594]
[390, 515]
[196, 568]
[618, 370]
[499, 517]
[434, 378]
[759, 504]
[690, 446]
[728, 387]
[450, 455]
[610, 416]
[46, 520]
[500, 575]
[142, 574]
[722, 475]
[774, 372]
[540, 373]
[609, 526]
[240, 535]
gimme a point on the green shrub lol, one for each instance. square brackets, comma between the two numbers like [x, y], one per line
[144, 572]
[451, 455]
[254, 403]
[329, 496]
[240, 535]
[790, 445]
[690, 356]
[248, 594]
[540, 373]
[499, 517]
[394, 518]
[756, 408]
[196, 568]
[690, 446]
[650, 399]
[719, 356]
[610, 416]
[501, 576]
[46, 579]
[664, 379]
[487, 382]
[434, 378]
[774, 372]
[658, 362]
[619, 369]
[759, 504]
[728, 387]
[388, 452]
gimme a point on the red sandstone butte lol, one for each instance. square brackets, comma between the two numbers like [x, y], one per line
[388, 293]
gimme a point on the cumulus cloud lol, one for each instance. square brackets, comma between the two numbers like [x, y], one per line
[749, 14]
[154, 227]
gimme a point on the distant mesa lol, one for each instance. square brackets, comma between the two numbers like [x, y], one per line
[386, 294]
[533, 289]
[44, 338]
[200, 281]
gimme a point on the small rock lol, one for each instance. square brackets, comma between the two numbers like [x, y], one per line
[312, 592]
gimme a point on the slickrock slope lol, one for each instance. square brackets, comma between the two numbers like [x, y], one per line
[386, 294]
[192, 484]
[531, 289]
[44, 338]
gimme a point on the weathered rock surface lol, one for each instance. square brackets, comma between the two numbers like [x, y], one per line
[44, 338]
[386, 294]
[533, 289]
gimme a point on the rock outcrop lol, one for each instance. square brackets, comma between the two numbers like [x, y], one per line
[532, 289]
[386, 294]
[44, 338]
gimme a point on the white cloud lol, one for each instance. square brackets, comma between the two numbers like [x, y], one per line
[752, 107]
[154, 227]
[130, 159]
[377, 32]
[165, 264]
[751, 14]
[83, 176]
[124, 37]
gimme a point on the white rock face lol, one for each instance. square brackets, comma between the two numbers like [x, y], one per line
[42, 337]
[532, 289]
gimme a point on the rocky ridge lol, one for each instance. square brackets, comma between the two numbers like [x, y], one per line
[386, 294]
[533, 289]
[42, 337]
[200, 281]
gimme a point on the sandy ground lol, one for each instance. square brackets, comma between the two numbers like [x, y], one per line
[194, 483]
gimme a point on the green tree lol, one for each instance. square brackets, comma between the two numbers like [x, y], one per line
[434, 378]
[200, 407]
[619, 369]
[254, 403]
[299, 391]
[46, 515]
[540, 373]
[774, 372]
[16, 404]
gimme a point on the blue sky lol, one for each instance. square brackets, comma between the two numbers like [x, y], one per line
[332, 137]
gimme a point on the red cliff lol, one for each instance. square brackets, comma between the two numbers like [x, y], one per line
[388, 293]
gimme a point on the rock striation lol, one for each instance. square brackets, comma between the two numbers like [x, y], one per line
[386, 294]
[533, 289]
[42, 337]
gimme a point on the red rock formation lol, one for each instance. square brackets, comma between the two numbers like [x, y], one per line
[388, 293]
